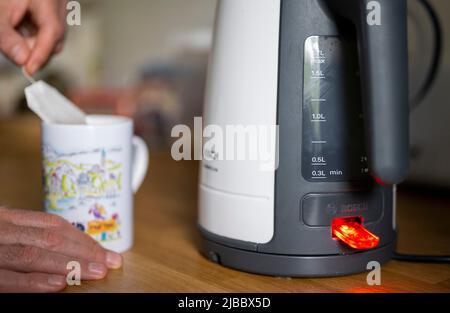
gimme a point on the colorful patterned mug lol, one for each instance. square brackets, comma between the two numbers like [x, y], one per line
[90, 173]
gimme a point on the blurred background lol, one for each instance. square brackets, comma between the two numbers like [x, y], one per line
[147, 59]
[141, 58]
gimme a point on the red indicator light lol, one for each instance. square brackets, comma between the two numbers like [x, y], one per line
[351, 231]
[379, 181]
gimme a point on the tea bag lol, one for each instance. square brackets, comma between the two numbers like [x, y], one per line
[51, 106]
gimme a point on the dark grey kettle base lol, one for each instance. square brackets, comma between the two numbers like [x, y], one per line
[294, 265]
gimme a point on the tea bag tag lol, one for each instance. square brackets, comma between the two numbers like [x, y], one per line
[28, 77]
[51, 106]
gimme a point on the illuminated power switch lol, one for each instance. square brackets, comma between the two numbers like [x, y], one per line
[350, 231]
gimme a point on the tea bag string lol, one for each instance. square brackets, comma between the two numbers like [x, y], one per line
[28, 77]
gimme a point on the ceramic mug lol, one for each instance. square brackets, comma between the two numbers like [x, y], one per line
[90, 173]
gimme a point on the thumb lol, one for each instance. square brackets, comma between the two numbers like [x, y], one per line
[14, 46]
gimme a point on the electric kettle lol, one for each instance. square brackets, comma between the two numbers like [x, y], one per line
[332, 75]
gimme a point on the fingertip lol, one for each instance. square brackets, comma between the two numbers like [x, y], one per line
[97, 271]
[41, 283]
[45, 44]
[114, 260]
[32, 67]
[20, 53]
[56, 282]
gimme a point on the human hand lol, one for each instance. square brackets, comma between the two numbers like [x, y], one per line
[36, 247]
[31, 31]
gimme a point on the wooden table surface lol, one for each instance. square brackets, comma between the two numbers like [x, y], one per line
[165, 256]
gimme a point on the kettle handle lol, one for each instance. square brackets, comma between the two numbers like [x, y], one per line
[383, 60]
